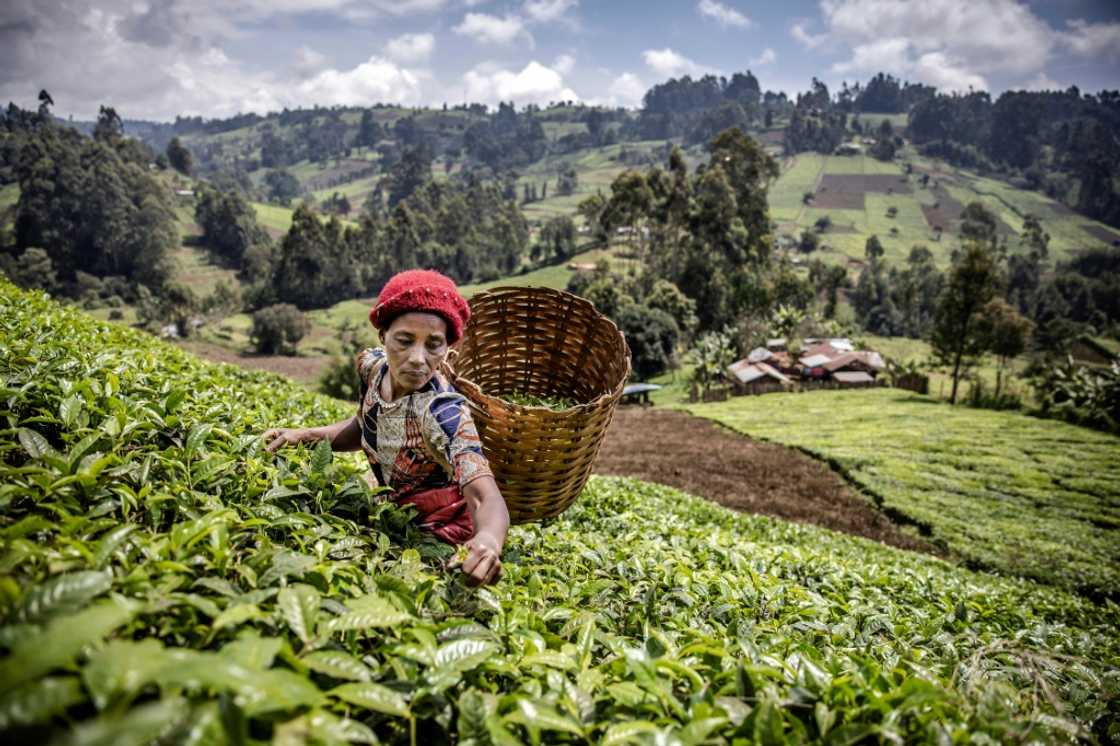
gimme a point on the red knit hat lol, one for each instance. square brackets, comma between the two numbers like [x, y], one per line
[421, 290]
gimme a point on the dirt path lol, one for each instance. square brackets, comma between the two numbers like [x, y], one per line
[302, 369]
[692, 454]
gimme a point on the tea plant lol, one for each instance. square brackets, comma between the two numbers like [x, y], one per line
[1003, 491]
[164, 580]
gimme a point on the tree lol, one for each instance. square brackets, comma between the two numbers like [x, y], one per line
[277, 329]
[369, 131]
[568, 180]
[557, 240]
[957, 336]
[282, 186]
[1006, 333]
[229, 225]
[978, 223]
[109, 127]
[652, 336]
[873, 249]
[179, 157]
[810, 241]
[408, 174]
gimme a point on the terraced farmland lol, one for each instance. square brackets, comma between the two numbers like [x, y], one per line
[856, 193]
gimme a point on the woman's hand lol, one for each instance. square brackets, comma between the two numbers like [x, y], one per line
[277, 438]
[483, 564]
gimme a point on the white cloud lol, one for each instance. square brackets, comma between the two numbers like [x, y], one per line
[671, 64]
[947, 74]
[308, 62]
[952, 43]
[376, 79]
[810, 41]
[626, 90]
[1043, 82]
[992, 35]
[723, 14]
[882, 54]
[767, 57]
[1093, 40]
[545, 11]
[411, 48]
[564, 64]
[487, 29]
[533, 84]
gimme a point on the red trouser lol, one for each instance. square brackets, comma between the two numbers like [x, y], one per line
[443, 511]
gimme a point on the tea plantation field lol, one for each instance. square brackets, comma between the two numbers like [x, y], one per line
[1003, 491]
[164, 580]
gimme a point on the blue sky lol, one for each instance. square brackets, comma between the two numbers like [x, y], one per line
[158, 58]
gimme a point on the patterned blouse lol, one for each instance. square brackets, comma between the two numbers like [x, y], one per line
[421, 441]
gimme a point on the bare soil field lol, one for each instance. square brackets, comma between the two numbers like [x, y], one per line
[945, 213]
[695, 455]
[302, 369]
[885, 183]
[846, 191]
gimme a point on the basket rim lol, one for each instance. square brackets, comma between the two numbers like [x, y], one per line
[459, 381]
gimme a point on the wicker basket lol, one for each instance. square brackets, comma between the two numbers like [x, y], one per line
[545, 343]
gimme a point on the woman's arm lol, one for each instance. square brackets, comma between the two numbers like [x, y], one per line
[344, 435]
[491, 521]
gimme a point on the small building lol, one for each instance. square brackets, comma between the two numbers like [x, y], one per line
[853, 378]
[756, 378]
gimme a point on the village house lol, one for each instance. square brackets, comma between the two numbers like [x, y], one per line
[832, 361]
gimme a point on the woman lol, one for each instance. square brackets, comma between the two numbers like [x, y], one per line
[414, 428]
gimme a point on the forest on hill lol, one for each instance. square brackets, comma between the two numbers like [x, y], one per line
[699, 204]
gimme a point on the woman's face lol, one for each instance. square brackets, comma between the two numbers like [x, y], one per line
[415, 344]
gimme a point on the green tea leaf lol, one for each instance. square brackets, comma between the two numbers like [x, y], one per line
[39, 701]
[63, 593]
[631, 732]
[235, 615]
[321, 456]
[69, 409]
[61, 641]
[35, 444]
[122, 667]
[373, 696]
[252, 651]
[300, 606]
[368, 612]
[540, 716]
[337, 664]
[140, 726]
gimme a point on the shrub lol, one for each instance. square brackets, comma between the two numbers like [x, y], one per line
[652, 335]
[277, 329]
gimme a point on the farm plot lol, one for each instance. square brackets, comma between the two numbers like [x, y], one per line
[1014, 494]
[164, 580]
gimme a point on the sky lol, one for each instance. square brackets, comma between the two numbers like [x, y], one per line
[155, 59]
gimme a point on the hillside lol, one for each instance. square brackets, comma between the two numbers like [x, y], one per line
[165, 576]
[856, 193]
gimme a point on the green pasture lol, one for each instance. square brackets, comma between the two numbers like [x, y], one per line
[800, 175]
[1001, 491]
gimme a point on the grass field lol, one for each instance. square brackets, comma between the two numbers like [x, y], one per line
[279, 219]
[1005, 492]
